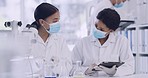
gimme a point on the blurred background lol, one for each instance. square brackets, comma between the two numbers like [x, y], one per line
[73, 14]
[74, 21]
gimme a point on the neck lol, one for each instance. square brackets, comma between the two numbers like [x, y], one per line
[103, 40]
[43, 34]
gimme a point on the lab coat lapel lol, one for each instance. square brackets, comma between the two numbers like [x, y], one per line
[111, 39]
[95, 41]
[39, 39]
[50, 41]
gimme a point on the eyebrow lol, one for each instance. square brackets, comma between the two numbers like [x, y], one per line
[56, 19]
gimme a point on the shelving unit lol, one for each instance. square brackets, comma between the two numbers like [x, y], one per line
[142, 54]
[138, 37]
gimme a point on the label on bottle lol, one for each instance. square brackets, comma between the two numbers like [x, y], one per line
[50, 77]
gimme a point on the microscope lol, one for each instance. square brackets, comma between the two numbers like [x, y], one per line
[15, 50]
[14, 25]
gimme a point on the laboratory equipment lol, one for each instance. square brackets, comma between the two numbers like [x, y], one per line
[15, 50]
[48, 70]
[78, 73]
[12, 23]
[125, 23]
[63, 66]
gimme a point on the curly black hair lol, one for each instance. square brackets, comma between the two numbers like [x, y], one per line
[110, 18]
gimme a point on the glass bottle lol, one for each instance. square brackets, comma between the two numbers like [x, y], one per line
[78, 73]
[48, 70]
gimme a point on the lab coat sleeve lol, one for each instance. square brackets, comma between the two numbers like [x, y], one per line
[67, 56]
[77, 52]
[66, 50]
[77, 55]
[126, 56]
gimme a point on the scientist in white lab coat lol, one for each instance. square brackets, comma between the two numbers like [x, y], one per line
[49, 45]
[94, 7]
[105, 45]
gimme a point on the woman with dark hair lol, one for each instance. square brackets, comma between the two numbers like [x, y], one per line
[105, 45]
[49, 47]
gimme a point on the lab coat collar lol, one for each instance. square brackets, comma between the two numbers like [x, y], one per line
[111, 39]
[50, 39]
[40, 40]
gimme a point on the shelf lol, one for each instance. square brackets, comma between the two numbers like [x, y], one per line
[125, 23]
[142, 54]
[143, 26]
[133, 27]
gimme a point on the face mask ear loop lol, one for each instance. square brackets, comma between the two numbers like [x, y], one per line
[45, 29]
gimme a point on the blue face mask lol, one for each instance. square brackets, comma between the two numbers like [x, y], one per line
[53, 28]
[99, 34]
[118, 5]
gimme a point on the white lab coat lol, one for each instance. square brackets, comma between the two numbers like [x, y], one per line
[55, 47]
[94, 7]
[115, 49]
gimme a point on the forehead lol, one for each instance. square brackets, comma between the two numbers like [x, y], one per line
[100, 24]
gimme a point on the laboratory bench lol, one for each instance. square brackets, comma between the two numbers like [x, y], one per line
[130, 76]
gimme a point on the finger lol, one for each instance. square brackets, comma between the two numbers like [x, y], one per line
[93, 65]
[91, 74]
[114, 67]
[97, 68]
[102, 67]
[88, 71]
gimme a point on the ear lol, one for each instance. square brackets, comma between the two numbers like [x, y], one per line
[41, 21]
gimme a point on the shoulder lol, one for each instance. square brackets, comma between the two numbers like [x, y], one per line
[58, 38]
[121, 38]
[85, 40]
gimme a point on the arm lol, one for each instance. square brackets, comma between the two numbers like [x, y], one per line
[77, 53]
[67, 55]
[126, 56]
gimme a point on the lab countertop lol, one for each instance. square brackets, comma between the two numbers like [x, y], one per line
[130, 76]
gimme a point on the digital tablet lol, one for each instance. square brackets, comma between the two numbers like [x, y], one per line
[111, 64]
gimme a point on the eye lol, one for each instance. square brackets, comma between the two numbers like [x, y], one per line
[101, 29]
[54, 21]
